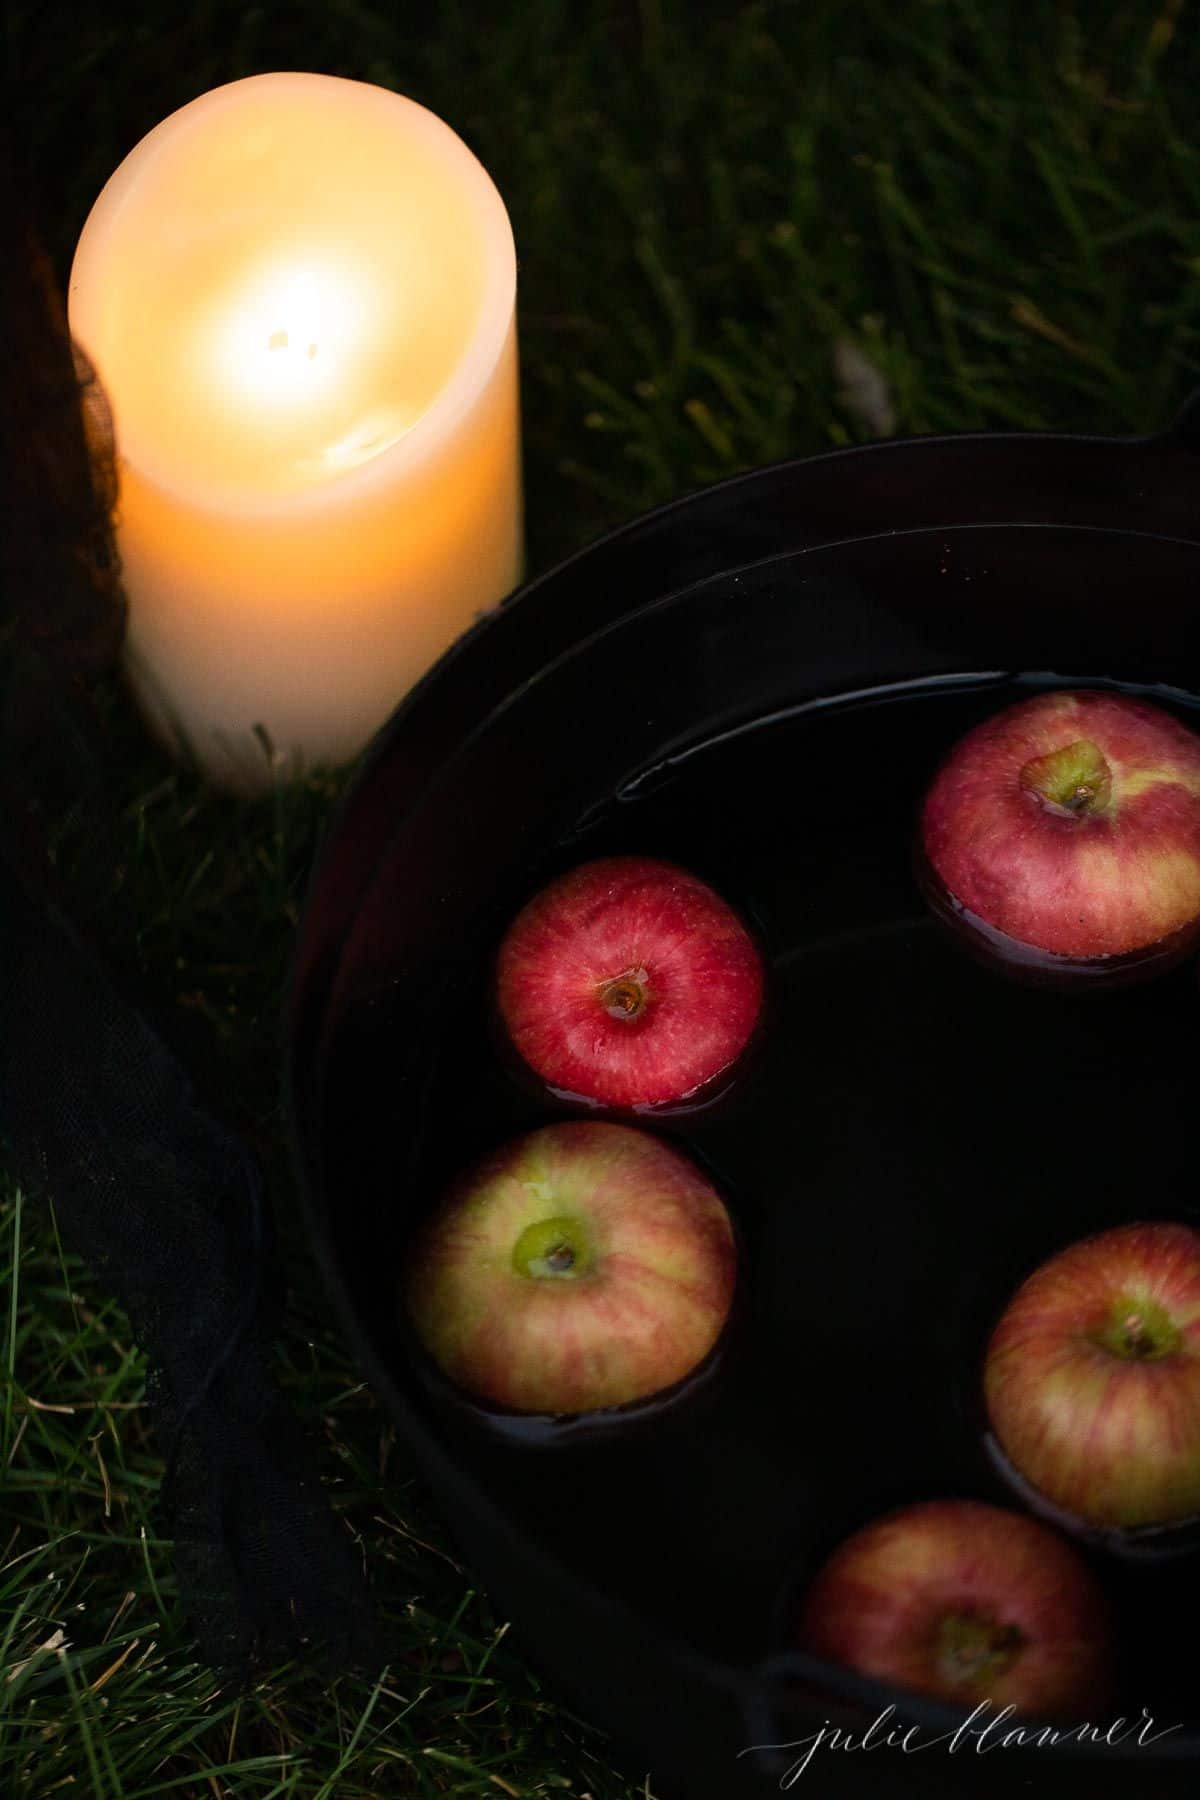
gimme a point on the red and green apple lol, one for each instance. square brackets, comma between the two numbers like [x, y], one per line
[584, 1266]
[966, 1602]
[1067, 828]
[1092, 1377]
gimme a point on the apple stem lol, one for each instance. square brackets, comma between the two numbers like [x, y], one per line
[624, 997]
[1138, 1329]
[975, 1647]
[1074, 781]
[552, 1248]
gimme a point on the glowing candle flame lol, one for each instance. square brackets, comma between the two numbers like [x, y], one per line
[291, 336]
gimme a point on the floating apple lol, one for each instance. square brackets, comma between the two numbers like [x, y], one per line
[580, 1267]
[629, 983]
[1092, 1377]
[966, 1602]
[1064, 833]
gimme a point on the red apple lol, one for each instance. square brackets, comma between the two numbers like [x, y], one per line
[1092, 1377]
[966, 1602]
[582, 1266]
[629, 983]
[1066, 831]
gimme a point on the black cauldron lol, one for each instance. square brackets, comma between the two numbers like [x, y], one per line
[757, 679]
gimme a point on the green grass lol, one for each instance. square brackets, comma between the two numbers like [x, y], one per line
[1000, 205]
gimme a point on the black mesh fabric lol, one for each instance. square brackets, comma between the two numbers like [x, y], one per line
[166, 1208]
[96, 1112]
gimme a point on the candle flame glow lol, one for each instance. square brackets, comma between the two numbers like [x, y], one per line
[291, 336]
[290, 350]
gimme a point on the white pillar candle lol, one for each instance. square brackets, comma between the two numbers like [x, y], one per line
[299, 293]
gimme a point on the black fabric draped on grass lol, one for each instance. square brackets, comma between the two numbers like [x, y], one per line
[96, 1113]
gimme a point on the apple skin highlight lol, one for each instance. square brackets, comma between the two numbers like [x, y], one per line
[965, 1602]
[1069, 824]
[583, 1266]
[1092, 1378]
[629, 983]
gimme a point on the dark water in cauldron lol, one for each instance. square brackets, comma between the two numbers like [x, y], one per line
[916, 1134]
